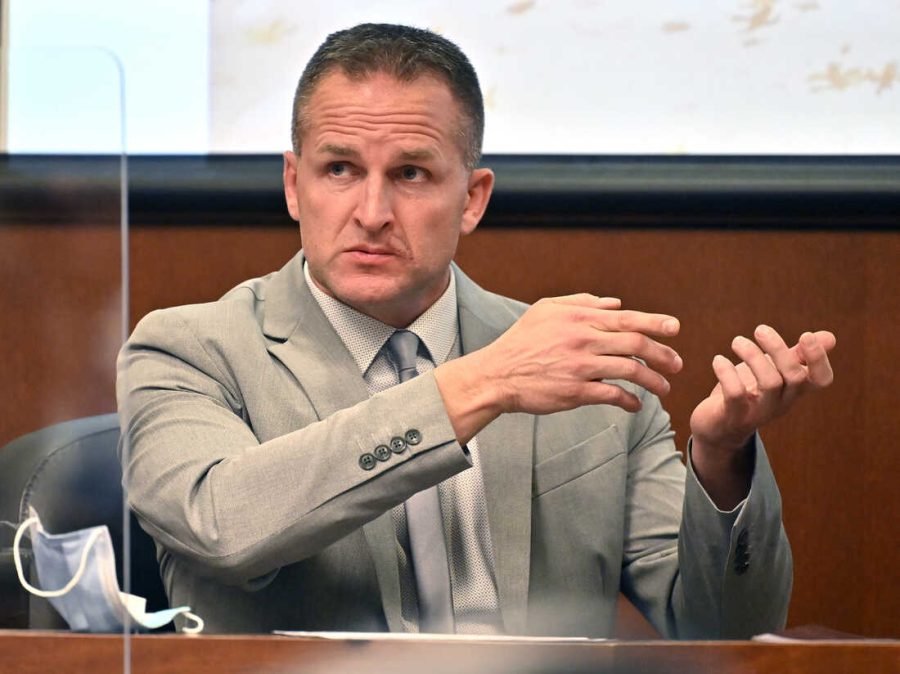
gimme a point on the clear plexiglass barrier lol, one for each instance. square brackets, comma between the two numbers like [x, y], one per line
[63, 266]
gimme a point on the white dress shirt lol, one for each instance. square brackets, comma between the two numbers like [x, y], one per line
[473, 586]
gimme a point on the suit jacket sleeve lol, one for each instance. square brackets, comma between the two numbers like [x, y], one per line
[207, 489]
[713, 574]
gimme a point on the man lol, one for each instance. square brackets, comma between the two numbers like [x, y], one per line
[288, 478]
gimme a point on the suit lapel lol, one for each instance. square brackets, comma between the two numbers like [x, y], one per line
[305, 342]
[505, 449]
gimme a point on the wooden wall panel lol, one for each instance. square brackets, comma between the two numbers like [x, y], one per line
[835, 456]
[183, 265]
[60, 324]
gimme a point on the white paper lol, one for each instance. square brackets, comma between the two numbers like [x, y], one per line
[408, 636]
[770, 638]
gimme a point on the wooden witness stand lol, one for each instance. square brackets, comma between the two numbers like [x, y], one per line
[27, 652]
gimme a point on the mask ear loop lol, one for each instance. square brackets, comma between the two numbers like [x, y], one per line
[197, 627]
[17, 557]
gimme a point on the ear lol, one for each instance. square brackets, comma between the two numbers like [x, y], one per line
[289, 177]
[481, 184]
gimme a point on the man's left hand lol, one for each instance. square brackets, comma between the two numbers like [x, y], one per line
[762, 387]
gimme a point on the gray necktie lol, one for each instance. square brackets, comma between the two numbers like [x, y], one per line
[423, 520]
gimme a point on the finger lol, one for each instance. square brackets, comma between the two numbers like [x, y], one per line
[768, 379]
[588, 300]
[630, 369]
[825, 338]
[603, 393]
[659, 357]
[786, 360]
[734, 393]
[816, 357]
[746, 375]
[626, 320]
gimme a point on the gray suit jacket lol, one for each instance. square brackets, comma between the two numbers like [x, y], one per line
[245, 422]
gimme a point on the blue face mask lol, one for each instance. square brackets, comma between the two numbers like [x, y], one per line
[82, 565]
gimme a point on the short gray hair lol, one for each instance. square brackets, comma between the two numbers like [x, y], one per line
[404, 53]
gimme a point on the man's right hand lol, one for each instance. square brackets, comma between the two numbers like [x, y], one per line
[558, 356]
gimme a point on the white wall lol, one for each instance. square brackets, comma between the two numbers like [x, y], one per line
[65, 93]
[561, 76]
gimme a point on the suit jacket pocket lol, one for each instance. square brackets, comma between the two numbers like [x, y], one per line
[577, 460]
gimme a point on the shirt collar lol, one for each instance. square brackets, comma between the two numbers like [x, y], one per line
[365, 336]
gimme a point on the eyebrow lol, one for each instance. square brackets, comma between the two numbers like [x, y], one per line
[338, 150]
[417, 155]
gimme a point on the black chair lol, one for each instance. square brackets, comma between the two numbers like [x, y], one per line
[70, 473]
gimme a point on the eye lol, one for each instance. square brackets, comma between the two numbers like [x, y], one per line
[338, 169]
[412, 174]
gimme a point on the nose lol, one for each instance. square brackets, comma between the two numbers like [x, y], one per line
[374, 209]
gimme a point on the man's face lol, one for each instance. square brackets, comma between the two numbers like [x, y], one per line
[381, 192]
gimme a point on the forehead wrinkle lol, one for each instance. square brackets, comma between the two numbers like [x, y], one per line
[345, 109]
[365, 115]
[344, 127]
[375, 120]
[398, 121]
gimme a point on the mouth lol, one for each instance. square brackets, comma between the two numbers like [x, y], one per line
[371, 254]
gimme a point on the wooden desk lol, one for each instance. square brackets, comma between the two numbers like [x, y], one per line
[32, 652]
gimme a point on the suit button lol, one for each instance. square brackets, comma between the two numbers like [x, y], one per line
[382, 452]
[413, 436]
[741, 554]
[742, 537]
[398, 445]
[367, 461]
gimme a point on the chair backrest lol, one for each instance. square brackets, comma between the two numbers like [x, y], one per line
[71, 475]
